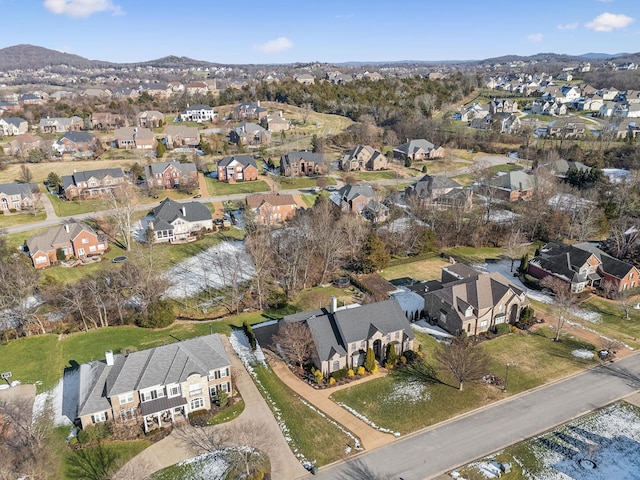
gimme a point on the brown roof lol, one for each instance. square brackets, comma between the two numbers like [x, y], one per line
[276, 199]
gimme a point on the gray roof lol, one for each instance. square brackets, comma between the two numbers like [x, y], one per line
[294, 157]
[169, 211]
[199, 106]
[46, 122]
[246, 127]
[25, 190]
[349, 192]
[412, 146]
[427, 184]
[159, 167]
[78, 137]
[244, 160]
[79, 177]
[332, 332]
[157, 366]
[516, 180]
[562, 166]
[15, 121]
[56, 236]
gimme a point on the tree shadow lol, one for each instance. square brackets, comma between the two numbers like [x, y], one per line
[631, 378]
[358, 470]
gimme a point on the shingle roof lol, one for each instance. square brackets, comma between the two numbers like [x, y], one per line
[244, 160]
[25, 190]
[294, 157]
[349, 192]
[159, 167]
[77, 137]
[147, 368]
[50, 239]
[412, 146]
[78, 177]
[169, 211]
[427, 184]
[275, 199]
[516, 180]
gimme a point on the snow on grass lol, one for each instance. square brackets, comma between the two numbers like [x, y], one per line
[603, 445]
[366, 420]
[582, 353]
[408, 392]
[208, 466]
[61, 399]
[216, 267]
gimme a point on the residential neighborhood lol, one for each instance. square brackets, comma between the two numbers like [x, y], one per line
[290, 267]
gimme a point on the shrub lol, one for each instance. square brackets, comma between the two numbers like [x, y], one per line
[159, 314]
[246, 326]
[531, 281]
[502, 328]
[332, 381]
[199, 418]
[128, 349]
[391, 358]
[410, 356]
[350, 373]
[526, 319]
[318, 377]
[12, 210]
[222, 398]
[370, 360]
[340, 374]
[374, 370]
[360, 370]
[94, 432]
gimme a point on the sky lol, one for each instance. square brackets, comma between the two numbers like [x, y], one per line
[287, 31]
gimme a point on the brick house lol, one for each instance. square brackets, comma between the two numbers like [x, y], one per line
[418, 150]
[473, 302]
[238, 168]
[17, 196]
[154, 387]
[439, 192]
[137, 138]
[512, 186]
[182, 136]
[74, 239]
[249, 111]
[60, 125]
[108, 121]
[171, 174]
[301, 163]
[272, 208]
[250, 134]
[363, 157]
[92, 183]
[73, 141]
[353, 198]
[583, 265]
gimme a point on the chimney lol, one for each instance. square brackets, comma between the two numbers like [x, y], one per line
[184, 211]
[334, 304]
[66, 227]
[108, 355]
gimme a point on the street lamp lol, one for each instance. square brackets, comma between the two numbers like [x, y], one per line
[506, 376]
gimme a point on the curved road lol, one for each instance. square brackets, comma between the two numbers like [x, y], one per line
[431, 452]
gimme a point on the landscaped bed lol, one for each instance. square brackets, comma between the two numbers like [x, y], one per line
[602, 445]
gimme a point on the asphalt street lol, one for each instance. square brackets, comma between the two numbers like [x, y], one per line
[429, 453]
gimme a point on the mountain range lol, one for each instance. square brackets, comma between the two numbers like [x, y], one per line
[34, 57]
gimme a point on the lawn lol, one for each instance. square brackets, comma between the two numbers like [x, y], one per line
[539, 360]
[506, 167]
[371, 176]
[608, 437]
[217, 188]
[39, 171]
[123, 452]
[470, 255]
[422, 270]
[613, 323]
[68, 208]
[13, 219]
[297, 183]
[312, 435]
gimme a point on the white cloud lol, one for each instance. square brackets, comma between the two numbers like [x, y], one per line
[568, 26]
[535, 37]
[81, 8]
[273, 46]
[608, 22]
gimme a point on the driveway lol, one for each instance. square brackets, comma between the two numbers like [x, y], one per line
[173, 449]
[429, 453]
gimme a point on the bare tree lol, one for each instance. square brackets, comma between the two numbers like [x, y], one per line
[515, 246]
[25, 174]
[122, 201]
[622, 297]
[328, 242]
[18, 304]
[465, 361]
[482, 174]
[564, 300]
[295, 341]
[258, 244]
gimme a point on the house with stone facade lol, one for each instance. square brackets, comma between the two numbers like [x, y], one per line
[92, 183]
[363, 157]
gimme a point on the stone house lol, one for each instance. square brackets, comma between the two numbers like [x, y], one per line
[238, 168]
[363, 157]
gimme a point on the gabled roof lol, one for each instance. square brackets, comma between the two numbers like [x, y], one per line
[197, 107]
[159, 167]
[79, 177]
[294, 157]
[46, 122]
[158, 366]
[25, 190]
[427, 184]
[275, 199]
[169, 211]
[412, 146]
[244, 160]
[350, 192]
[56, 236]
[77, 137]
[15, 121]
[562, 166]
[515, 180]
[332, 332]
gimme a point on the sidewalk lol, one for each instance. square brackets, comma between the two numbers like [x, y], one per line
[369, 437]
[173, 449]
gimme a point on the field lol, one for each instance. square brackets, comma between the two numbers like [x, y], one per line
[217, 188]
[604, 444]
[422, 270]
[41, 170]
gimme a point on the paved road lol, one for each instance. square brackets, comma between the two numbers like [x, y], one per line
[429, 453]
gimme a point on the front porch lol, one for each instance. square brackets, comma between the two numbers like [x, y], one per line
[163, 411]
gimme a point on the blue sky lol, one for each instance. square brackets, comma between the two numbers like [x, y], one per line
[285, 31]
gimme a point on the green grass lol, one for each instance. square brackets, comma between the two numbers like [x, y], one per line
[217, 188]
[13, 219]
[371, 176]
[474, 255]
[68, 208]
[538, 360]
[506, 167]
[227, 415]
[290, 183]
[465, 179]
[311, 434]
[124, 451]
[613, 323]
[428, 269]
[67, 275]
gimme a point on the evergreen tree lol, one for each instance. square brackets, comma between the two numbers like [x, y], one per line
[375, 254]
[391, 358]
[370, 361]
[160, 150]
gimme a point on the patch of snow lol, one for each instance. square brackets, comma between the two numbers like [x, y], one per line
[366, 420]
[582, 353]
[408, 392]
[205, 270]
[435, 331]
[208, 466]
[62, 399]
[264, 324]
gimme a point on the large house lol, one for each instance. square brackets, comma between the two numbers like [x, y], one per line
[171, 174]
[60, 125]
[363, 157]
[250, 134]
[108, 120]
[157, 386]
[272, 208]
[512, 186]
[569, 127]
[198, 113]
[13, 126]
[238, 168]
[92, 183]
[182, 136]
[150, 119]
[74, 141]
[439, 192]
[300, 164]
[418, 150]
[353, 198]
[472, 302]
[342, 336]
[249, 111]
[17, 196]
[73, 239]
[138, 138]
[277, 123]
[21, 145]
[173, 221]
[583, 265]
